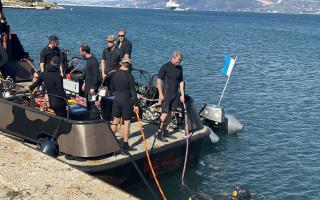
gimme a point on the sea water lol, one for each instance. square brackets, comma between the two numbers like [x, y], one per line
[273, 90]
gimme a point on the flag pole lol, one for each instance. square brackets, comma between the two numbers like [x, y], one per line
[225, 86]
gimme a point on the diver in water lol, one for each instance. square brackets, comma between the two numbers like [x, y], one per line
[125, 101]
[170, 80]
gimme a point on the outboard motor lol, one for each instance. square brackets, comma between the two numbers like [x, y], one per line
[215, 117]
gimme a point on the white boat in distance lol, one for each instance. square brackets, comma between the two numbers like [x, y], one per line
[171, 4]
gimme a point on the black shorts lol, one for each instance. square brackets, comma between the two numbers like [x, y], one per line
[170, 104]
[123, 110]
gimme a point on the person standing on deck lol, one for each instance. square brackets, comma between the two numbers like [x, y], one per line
[110, 59]
[91, 76]
[170, 80]
[125, 101]
[54, 85]
[124, 45]
[48, 52]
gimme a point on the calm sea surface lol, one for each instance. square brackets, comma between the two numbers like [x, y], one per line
[274, 89]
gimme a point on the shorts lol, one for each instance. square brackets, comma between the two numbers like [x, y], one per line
[122, 110]
[170, 104]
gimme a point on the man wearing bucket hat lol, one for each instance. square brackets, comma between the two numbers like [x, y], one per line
[110, 57]
[125, 101]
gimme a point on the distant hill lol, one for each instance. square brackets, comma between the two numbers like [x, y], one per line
[283, 6]
[28, 4]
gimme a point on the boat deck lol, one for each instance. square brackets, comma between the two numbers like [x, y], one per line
[135, 140]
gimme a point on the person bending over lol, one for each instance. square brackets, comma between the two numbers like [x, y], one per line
[54, 85]
[125, 101]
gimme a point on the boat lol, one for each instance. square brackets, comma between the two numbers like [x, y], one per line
[85, 143]
[172, 5]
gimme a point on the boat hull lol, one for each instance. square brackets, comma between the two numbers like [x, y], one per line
[164, 163]
[77, 138]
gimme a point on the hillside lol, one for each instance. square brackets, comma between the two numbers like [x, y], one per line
[28, 4]
[283, 6]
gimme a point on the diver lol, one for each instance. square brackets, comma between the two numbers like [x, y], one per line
[170, 79]
[48, 52]
[124, 45]
[54, 85]
[91, 80]
[110, 57]
[110, 60]
[125, 101]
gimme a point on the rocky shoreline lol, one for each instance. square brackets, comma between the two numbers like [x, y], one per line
[18, 4]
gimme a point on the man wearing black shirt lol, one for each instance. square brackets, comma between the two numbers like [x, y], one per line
[124, 45]
[49, 52]
[170, 80]
[110, 58]
[91, 75]
[125, 101]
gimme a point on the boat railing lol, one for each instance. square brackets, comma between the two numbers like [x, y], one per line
[146, 75]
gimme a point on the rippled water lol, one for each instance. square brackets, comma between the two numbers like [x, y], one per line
[274, 89]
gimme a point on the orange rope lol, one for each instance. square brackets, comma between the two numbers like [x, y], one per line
[148, 156]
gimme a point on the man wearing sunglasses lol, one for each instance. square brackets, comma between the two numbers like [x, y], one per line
[110, 58]
[124, 45]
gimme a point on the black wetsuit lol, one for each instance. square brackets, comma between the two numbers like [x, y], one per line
[122, 83]
[47, 54]
[91, 76]
[172, 76]
[54, 85]
[125, 47]
[111, 56]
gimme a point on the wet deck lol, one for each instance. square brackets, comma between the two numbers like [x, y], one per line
[135, 140]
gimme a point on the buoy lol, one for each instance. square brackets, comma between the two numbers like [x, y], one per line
[49, 147]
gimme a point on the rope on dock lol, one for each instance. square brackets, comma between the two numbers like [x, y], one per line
[148, 157]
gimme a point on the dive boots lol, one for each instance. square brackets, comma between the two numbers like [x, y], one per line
[126, 147]
[160, 135]
[168, 135]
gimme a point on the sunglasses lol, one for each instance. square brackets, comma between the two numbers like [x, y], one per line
[120, 35]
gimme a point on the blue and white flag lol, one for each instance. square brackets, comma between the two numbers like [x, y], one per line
[227, 69]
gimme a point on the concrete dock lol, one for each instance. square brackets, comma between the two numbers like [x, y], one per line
[28, 174]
